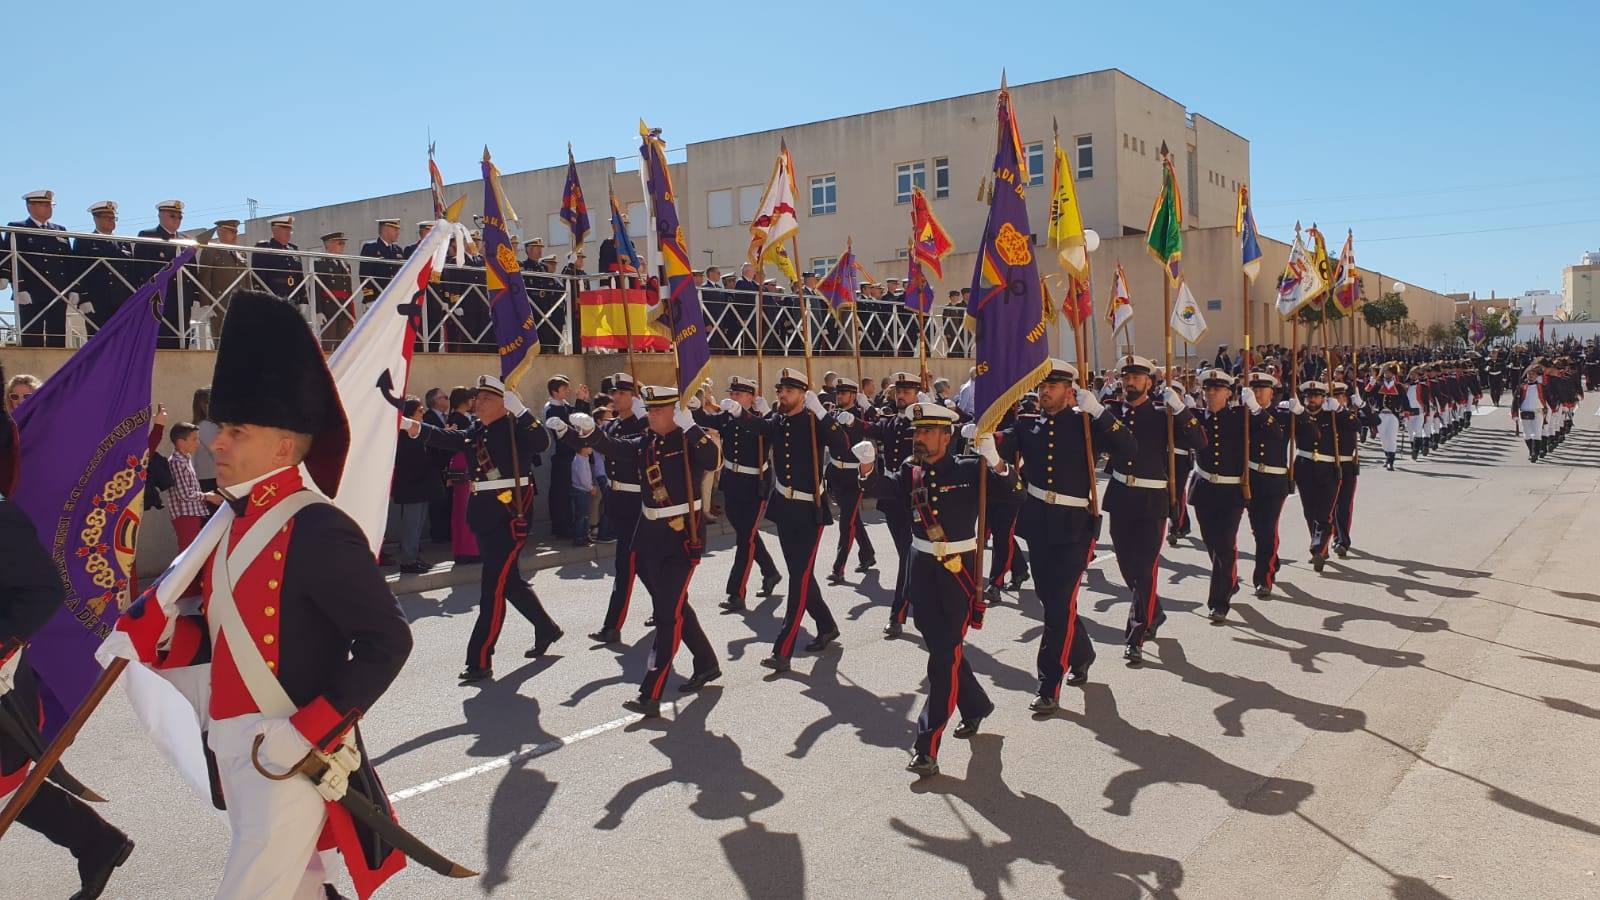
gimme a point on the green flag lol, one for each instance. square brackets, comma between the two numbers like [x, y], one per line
[1165, 239]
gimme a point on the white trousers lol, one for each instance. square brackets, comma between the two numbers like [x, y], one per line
[275, 824]
[1532, 430]
[1416, 425]
[1389, 431]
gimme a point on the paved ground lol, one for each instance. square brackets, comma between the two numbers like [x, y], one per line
[1417, 722]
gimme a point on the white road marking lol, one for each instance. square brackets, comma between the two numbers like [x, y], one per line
[521, 756]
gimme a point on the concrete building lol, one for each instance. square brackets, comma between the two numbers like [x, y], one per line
[1580, 289]
[1537, 303]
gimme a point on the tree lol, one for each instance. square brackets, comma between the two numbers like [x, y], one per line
[1387, 312]
[1439, 333]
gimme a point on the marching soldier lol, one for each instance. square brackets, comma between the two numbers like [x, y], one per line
[1000, 517]
[280, 272]
[1418, 402]
[1218, 493]
[153, 256]
[1269, 476]
[1137, 497]
[672, 455]
[746, 483]
[385, 253]
[797, 433]
[844, 482]
[106, 264]
[1316, 470]
[1531, 409]
[943, 569]
[561, 460]
[500, 448]
[308, 635]
[893, 433]
[44, 269]
[1391, 407]
[1057, 465]
[1183, 462]
[30, 594]
[1358, 414]
[335, 314]
[624, 502]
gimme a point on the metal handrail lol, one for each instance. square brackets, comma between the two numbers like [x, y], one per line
[454, 318]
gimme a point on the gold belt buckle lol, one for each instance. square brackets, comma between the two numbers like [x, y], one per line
[1050, 497]
[788, 492]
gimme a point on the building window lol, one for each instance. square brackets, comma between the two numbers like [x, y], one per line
[637, 216]
[907, 176]
[1141, 149]
[1124, 140]
[719, 208]
[1035, 152]
[824, 195]
[559, 233]
[822, 265]
[1085, 160]
[941, 177]
[749, 202]
[902, 254]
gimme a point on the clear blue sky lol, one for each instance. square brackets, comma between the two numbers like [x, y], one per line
[1430, 119]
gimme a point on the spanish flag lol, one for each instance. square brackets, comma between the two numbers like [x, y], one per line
[609, 317]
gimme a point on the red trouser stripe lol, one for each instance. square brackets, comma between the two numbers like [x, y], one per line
[750, 545]
[955, 690]
[664, 666]
[627, 593]
[1072, 613]
[1150, 610]
[498, 617]
[805, 588]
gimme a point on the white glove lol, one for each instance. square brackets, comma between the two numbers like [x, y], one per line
[22, 298]
[638, 408]
[556, 426]
[682, 418]
[985, 448]
[583, 422]
[922, 397]
[4, 283]
[410, 426]
[814, 404]
[514, 404]
[861, 402]
[694, 403]
[1250, 401]
[1089, 403]
[731, 407]
[1332, 404]
[73, 298]
[845, 418]
[1293, 405]
[865, 452]
[1173, 400]
[761, 406]
[1356, 402]
[969, 430]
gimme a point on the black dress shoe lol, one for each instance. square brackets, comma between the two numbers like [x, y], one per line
[699, 680]
[644, 706]
[1341, 550]
[1076, 677]
[991, 595]
[891, 631]
[329, 892]
[1133, 655]
[768, 582]
[734, 603]
[923, 765]
[822, 641]
[542, 645]
[1318, 561]
[1263, 591]
[95, 873]
[473, 674]
[836, 577]
[606, 636]
[967, 727]
[776, 663]
[866, 565]
[1219, 616]
[466, 559]
[1043, 705]
[414, 568]
[1016, 584]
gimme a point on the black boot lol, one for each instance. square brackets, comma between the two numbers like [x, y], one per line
[1416, 448]
[1533, 452]
[1388, 462]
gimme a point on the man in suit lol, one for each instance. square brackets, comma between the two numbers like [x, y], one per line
[44, 269]
[280, 273]
[221, 271]
[382, 251]
[105, 267]
[336, 315]
[153, 255]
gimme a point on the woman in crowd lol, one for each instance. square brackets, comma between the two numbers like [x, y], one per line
[462, 542]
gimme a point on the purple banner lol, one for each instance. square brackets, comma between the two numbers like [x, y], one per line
[683, 298]
[84, 452]
[515, 334]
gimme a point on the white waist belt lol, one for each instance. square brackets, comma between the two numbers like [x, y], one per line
[479, 487]
[1216, 479]
[666, 512]
[942, 549]
[1316, 457]
[742, 470]
[1057, 499]
[1137, 482]
[1177, 452]
[625, 487]
[789, 493]
[1269, 470]
[837, 464]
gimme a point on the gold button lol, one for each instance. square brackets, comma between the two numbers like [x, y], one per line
[272, 584]
[272, 664]
[268, 639]
[270, 611]
[277, 554]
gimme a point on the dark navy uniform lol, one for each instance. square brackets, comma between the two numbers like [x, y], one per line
[796, 443]
[844, 483]
[1137, 499]
[1316, 475]
[379, 268]
[106, 267]
[622, 506]
[670, 538]
[279, 272]
[500, 526]
[894, 436]
[1269, 488]
[44, 269]
[561, 468]
[1055, 522]
[942, 575]
[1344, 505]
[1218, 498]
[1000, 522]
[746, 484]
[151, 259]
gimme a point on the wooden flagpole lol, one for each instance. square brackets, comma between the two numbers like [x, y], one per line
[805, 334]
[52, 754]
[1082, 341]
[1172, 451]
[1244, 374]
